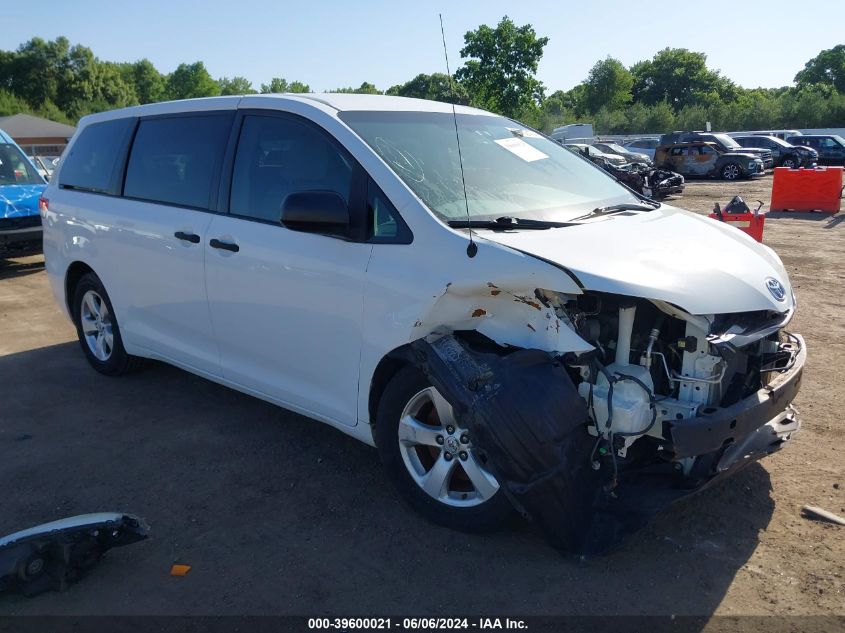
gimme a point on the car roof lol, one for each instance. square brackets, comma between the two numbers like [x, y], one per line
[688, 143]
[340, 102]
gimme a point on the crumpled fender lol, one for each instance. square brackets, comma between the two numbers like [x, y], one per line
[508, 315]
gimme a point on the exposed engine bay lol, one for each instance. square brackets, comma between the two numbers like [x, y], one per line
[591, 444]
[655, 366]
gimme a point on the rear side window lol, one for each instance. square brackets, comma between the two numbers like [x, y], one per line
[278, 156]
[176, 160]
[95, 160]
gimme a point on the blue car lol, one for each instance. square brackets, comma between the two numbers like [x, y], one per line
[21, 187]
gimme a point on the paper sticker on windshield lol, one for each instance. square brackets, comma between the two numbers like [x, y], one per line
[522, 149]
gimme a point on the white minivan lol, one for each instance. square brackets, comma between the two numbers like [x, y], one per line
[508, 324]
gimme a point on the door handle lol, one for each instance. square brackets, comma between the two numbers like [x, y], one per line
[193, 238]
[226, 246]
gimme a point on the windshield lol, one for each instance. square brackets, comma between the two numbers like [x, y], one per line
[838, 139]
[509, 170]
[15, 169]
[727, 141]
[613, 147]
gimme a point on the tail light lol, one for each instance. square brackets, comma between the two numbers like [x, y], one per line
[43, 207]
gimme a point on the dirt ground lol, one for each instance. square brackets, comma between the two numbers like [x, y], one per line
[281, 515]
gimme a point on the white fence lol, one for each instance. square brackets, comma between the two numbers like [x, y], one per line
[624, 138]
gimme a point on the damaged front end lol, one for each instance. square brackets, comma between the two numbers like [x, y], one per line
[590, 444]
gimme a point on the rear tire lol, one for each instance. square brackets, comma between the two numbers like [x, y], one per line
[789, 162]
[97, 328]
[414, 431]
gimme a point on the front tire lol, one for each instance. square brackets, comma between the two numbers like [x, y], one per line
[97, 328]
[432, 460]
[789, 162]
[731, 171]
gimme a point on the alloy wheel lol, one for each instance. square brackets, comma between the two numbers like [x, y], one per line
[96, 323]
[439, 454]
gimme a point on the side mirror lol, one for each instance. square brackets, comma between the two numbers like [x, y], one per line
[319, 212]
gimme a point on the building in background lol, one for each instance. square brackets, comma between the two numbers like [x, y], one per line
[37, 136]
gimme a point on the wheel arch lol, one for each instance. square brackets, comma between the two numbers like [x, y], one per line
[74, 273]
[390, 364]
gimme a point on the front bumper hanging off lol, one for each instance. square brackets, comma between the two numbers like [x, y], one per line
[751, 428]
[527, 417]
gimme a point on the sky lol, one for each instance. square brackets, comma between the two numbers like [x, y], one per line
[331, 43]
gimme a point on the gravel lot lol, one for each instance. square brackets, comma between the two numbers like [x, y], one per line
[281, 515]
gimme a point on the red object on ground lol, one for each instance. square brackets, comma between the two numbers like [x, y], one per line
[818, 189]
[747, 222]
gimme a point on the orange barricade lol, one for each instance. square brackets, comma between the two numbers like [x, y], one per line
[747, 222]
[818, 189]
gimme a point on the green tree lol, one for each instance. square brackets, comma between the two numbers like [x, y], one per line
[277, 84]
[280, 84]
[608, 86]
[679, 77]
[500, 72]
[191, 80]
[298, 87]
[77, 82]
[149, 83]
[365, 88]
[11, 104]
[435, 87]
[111, 87]
[235, 86]
[828, 68]
[611, 121]
[37, 69]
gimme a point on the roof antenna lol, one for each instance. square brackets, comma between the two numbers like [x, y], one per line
[472, 247]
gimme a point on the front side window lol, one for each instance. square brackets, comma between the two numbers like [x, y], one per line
[384, 224]
[278, 156]
[509, 169]
[833, 142]
[95, 158]
[15, 169]
[175, 160]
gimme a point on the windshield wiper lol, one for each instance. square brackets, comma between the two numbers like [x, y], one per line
[615, 208]
[506, 222]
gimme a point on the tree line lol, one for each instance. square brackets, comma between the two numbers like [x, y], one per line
[675, 89]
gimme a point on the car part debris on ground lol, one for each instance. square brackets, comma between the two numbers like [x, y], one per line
[814, 512]
[54, 555]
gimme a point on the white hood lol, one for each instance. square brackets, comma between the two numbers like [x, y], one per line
[698, 264]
